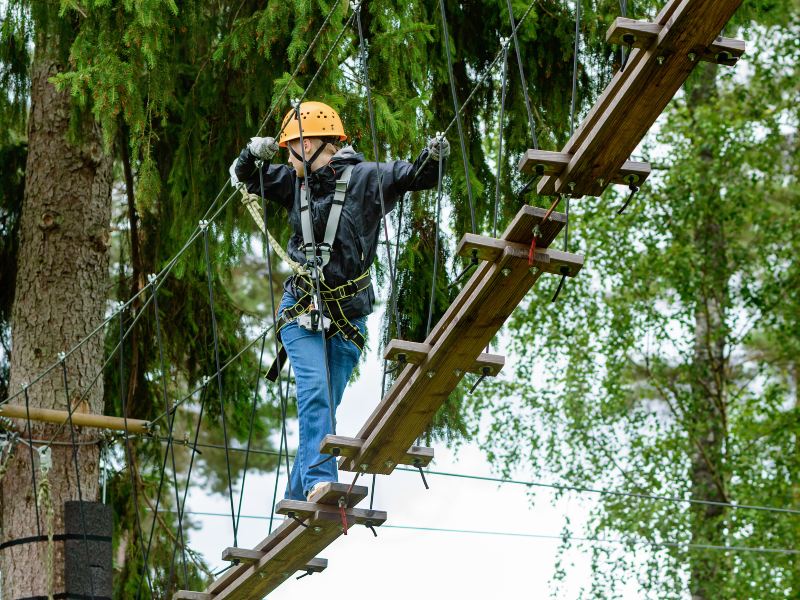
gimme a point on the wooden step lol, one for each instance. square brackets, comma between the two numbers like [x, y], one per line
[292, 547]
[304, 510]
[339, 445]
[638, 94]
[548, 260]
[415, 353]
[642, 34]
[455, 343]
[546, 162]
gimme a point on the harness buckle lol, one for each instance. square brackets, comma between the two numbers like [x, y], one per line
[310, 321]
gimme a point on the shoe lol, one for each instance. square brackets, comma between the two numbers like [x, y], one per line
[317, 491]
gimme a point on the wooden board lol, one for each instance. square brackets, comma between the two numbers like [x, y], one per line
[339, 445]
[641, 34]
[287, 533]
[548, 260]
[304, 510]
[415, 353]
[545, 162]
[636, 96]
[473, 319]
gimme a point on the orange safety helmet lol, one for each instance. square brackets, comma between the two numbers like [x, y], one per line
[319, 120]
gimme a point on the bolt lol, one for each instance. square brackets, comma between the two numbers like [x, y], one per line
[505, 271]
[431, 374]
[363, 467]
[660, 60]
[692, 56]
[317, 529]
[601, 182]
[458, 372]
[388, 464]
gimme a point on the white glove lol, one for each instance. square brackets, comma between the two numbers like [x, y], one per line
[263, 147]
[438, 146]
[234, 179]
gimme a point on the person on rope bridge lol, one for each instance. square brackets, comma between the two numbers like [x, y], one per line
[334, 203]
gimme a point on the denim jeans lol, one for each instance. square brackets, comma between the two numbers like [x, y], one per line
[313, 409]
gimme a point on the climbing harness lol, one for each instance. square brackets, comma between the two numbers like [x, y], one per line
[320, 254]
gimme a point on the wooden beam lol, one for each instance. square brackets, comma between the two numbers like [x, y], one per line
[339, 445]
[545, 162]
[637, 95]
[548, 260]
[304, 510]
[79, 419]
[471, 321]
[642, 34]
[292, 547]
[415, 353]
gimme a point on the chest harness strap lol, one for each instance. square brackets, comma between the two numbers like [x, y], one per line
[304, 310]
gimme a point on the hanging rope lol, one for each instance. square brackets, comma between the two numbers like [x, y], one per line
[128, 449]
[523, 82]
[457, 110]
[204, 227]
[435, 244]
[170, 448]
[573, 103]
[504, 42]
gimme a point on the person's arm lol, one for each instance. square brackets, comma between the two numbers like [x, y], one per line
[401, 176]
[278, 179]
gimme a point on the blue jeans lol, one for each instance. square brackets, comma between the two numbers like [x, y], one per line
[313, 409]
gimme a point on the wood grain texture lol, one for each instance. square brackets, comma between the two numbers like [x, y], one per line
[79, 418]
[545, 162]
[636, 96]
[340, 445]
[548, 260]
[474, 318]
[416, 353]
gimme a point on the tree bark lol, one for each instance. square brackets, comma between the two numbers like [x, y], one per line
[60, 297]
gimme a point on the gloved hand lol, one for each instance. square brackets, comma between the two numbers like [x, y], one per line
[438, 146]
[263, 147]
[234, 179]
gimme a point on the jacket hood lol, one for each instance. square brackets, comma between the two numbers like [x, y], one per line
[347, 156]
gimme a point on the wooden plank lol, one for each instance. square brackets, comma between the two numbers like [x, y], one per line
[316, 565]
[187, 595]
[241, 554]
[304, 510]
[641, 34]
[416, 353]
[519, 230]
[331, 492]
[483, 306]
[548, 260]
[630, 32]
[339, 445]
[295, 551]
[636, 96]
[546, 162]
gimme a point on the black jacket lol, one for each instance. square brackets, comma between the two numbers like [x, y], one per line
[356, 242]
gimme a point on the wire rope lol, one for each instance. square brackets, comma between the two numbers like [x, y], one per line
[457, 111]
[523, 82]
[500, 142]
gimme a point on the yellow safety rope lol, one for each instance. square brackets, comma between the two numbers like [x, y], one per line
[253, 204]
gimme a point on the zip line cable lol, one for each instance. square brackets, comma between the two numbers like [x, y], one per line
[464, 156]
[575, 538]
[554, 486]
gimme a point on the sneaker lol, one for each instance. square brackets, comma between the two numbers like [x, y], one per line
[317, 491]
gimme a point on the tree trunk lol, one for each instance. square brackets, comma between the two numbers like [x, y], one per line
[61, 288]
[708, 571]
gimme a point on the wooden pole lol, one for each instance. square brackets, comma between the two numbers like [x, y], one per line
[80, 419]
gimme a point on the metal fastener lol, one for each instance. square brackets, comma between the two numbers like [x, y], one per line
[505, 271]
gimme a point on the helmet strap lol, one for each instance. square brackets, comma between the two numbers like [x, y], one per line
[314, 156]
